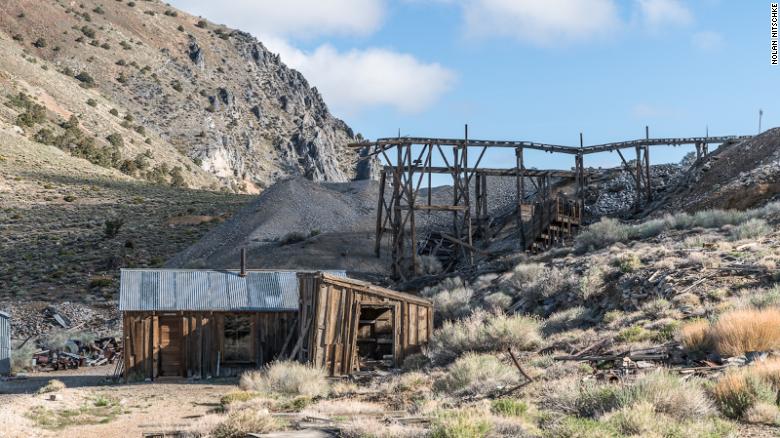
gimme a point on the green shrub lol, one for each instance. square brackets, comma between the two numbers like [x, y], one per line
[292, 237]
[86, 79]
[88, 31]
[451, 298]
[112, 226]
[476, 374]
[460, 423]
[40, 43]
[177, 177]
[751, 229]
[237, 396]
[483, 332]
[116, 140]
[509, 407]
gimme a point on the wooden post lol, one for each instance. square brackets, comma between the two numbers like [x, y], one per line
[467, 194]
[520, 195]
[648, 185]
[411, 195]
[379, 208]
[638, 150]
[484, 204]
[478, 193]
[398, 234]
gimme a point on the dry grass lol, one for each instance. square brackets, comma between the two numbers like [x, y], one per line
[371, 427]
[343, 408]
[240, 423]
[53, 385]
[740, 331]
[694, 335]
[286, 378]
[740, 390]
[763, 413]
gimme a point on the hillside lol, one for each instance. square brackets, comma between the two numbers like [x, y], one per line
[740, 175]
[67, 226]
[208, 100]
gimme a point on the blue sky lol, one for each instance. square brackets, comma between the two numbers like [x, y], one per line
[540, 70]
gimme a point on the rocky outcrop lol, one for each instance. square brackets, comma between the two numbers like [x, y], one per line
[215, 94]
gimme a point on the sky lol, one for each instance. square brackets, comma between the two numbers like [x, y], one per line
[540, 70]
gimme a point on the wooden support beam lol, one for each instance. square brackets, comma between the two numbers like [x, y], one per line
[464, 244]
[379, 210]
[638, 204]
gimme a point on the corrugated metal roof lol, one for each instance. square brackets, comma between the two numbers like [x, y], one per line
[188, 289]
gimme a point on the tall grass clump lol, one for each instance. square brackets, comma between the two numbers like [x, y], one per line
[483, 332]
[287, 378]
[476, 374]
[694, 336]
[451, 298]
[740, 331]
[740, 390]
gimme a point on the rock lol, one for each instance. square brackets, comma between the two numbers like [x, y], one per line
[196, 54]
[735, 361]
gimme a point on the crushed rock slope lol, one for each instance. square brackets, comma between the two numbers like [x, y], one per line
[741, 175]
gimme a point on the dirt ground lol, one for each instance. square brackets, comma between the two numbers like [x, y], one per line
[145, 407]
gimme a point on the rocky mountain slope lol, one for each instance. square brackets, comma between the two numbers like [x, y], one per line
[740, 175]
[210, 100]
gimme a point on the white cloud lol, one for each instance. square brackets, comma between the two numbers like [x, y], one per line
[707, 40]
[356, 79]
[541, 22]
[349, 80]
[293, 18]
[656, 13]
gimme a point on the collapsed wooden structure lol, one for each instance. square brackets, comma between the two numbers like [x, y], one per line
[202, 324]
[350, 324]
[540, 217]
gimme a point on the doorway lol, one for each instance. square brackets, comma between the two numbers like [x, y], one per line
[375, 339]
[170, 346]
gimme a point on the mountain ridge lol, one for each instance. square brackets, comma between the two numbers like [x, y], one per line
[215, 95]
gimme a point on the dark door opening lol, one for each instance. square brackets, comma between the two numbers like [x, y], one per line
[375, 340]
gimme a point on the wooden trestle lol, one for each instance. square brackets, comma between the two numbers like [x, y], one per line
[541, 221]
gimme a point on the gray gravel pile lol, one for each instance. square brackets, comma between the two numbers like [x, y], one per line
[294, 205]
[34, 318]
[615, 193]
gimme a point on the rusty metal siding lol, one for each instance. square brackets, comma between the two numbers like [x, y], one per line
[5, 343]
[175, 289]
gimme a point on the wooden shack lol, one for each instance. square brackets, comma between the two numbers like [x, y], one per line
[205, 323]
[349, 325]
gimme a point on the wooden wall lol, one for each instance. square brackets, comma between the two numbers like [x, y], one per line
[197, 342]
[330, 308]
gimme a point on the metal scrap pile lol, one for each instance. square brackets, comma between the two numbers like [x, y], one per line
[76, 353]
